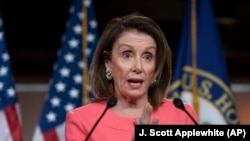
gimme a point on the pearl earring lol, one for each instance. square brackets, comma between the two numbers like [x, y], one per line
[109, 75]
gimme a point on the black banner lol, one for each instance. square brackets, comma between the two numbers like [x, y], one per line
[191, 132]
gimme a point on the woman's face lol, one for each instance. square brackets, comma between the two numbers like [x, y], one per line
[132, 63]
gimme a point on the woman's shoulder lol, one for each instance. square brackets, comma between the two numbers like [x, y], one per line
[170, 113]
[167, 102]
[85, 115]
[90, 107]
[170, 105]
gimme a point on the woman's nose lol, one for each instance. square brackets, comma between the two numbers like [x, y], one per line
[137, 65]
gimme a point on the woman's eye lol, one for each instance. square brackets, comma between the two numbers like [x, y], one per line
[148, 57]
[126, 54]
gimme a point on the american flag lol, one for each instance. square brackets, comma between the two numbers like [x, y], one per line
[10, 117]
[66, 86]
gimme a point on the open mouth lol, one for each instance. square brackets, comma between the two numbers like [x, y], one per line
[135, 83]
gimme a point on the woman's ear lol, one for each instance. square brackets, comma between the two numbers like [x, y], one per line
[107, 60]
[107, 65]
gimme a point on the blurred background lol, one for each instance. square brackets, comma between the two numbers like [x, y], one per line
[34, 29]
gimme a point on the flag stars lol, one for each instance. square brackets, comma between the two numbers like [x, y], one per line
[60, 87]
[51, 116]
[67, 84]
[87, 51]
[11, 92]
[87, 3]
[77, 29]
[69, 107]
[65, 72]
[3, 71]
[5, 56]
[73, 43]
[93, 24]
[78, 79]
[69, 57]
[73, 93]
[91, 37]
[55, 102]
[80, 64]
[80, 15]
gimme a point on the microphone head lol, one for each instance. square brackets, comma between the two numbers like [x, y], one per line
[111, 101]
[178, 103]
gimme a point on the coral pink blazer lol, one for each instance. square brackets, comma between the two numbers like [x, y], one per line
[113, 127]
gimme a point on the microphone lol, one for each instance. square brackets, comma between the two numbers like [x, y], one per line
[110, 103]
[179, 104]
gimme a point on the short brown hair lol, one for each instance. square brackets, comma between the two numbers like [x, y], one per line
[103, 88]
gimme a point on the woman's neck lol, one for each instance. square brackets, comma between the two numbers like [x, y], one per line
[131, 108]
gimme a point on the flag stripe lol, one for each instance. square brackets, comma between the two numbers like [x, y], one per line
[10, 116]
[60, 129]
[13, 122]
[38, 136]
[5, 133]
[50, 135]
